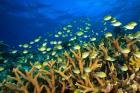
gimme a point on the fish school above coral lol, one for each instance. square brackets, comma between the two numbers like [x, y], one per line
[111, 65]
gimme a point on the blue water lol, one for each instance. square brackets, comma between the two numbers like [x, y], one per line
[23, 20]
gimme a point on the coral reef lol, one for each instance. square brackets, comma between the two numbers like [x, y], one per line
[111, 67]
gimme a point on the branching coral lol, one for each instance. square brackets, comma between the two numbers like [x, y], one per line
[75, 73]
[28, 79]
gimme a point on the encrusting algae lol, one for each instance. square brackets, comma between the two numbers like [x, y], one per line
[110, 66]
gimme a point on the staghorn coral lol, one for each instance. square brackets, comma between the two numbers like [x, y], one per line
[75, 73]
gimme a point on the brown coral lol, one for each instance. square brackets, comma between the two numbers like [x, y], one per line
[77, 74]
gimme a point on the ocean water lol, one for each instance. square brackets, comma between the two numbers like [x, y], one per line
[22, 21]
[36, 32]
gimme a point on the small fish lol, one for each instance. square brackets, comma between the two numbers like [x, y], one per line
[25, 51]
[101, 74]
[130, 26]
[87, 28]
[1, 68]
[64, 28]
[130, 36]
[116, 24]
[93, 39]
[77, 47]
[76, 71]
[125, 50]
[38, 65]
[79, 33]
[108, 34]
[14, 51]
[68, 31]
[124, 67]
[113, 20]
[84, 76]
[137, 54]
[54, 42]
[85, 36]
[59, 33]
[44, 44]
[20, 45]
[78, 91]
[53, 53]
[48, 49]
[37, 39]
[107, 18]
[69, 26]
[108, 58]
[137, 35]
[59, 42]
[42, 48]
[87, 69]
[93, 55]
[59, 47]
[25, 46]
[85, 54]
[32, 42]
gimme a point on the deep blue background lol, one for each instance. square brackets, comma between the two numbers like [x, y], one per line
[23, 20]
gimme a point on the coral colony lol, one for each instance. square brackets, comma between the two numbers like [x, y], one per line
[111, 65]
